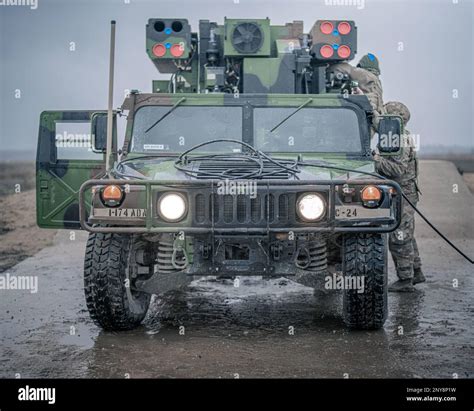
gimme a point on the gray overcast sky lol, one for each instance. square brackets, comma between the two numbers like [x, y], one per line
[437, 55]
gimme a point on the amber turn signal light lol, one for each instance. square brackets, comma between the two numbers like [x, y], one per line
[371, 193]
[112, 195]
[371, 196]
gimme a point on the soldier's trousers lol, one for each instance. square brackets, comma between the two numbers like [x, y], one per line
[402, 244]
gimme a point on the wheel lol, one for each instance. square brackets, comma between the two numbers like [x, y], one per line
[365, 259]
[109, 273]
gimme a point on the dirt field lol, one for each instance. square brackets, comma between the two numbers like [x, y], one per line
[13, 173]
[20, 237]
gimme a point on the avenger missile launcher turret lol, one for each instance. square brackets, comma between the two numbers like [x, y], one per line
[250, 157]
[247, 55]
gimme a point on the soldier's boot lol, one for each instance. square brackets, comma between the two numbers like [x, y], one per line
[401, 286]
[418, 276]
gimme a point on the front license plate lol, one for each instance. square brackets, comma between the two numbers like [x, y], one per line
[356, 212]
[120, 212]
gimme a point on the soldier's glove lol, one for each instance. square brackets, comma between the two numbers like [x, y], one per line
[376, 155]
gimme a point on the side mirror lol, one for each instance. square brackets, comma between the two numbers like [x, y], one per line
[390, 133]
[99, 132]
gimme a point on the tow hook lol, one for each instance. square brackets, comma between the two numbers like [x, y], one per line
[179, 258]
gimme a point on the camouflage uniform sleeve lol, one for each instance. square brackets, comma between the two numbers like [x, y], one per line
[368, 83]
[393, 167]
[371, 86]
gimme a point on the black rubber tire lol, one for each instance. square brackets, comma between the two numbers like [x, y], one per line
[110, 298]
[365, 255]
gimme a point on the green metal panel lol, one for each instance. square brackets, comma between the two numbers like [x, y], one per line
[58, 180]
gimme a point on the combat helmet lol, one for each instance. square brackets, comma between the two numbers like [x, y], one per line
[370, 63]
[398, 109]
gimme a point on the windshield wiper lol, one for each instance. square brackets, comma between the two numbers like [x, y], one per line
[166, 114]
[292, 114]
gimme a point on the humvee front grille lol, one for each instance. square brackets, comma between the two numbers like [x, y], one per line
[243, 210]
[283, 208]
[228, 208]
[200, 208]
[255, 210]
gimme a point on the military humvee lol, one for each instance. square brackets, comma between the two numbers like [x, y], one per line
[252, 159]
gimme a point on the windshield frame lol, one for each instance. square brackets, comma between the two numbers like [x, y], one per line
[249, 102]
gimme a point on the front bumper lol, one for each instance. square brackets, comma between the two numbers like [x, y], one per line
[221, 213]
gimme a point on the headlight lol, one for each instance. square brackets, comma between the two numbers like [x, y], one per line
[172, 206]
[311, 207]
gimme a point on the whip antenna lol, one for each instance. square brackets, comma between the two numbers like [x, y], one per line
[108, 153]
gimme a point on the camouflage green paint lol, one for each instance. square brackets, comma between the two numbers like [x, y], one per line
[270, 75]
[58, 181]
[219, 99]
[161, 169]
[160, 86]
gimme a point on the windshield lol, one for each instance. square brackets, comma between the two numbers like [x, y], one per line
[185, 127]
[158, 130]
[323, 130]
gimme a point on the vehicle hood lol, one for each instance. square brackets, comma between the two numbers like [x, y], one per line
[164, 169]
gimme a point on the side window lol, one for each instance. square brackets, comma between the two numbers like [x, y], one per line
[73, 141]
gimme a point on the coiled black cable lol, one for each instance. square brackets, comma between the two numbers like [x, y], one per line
[262, 161]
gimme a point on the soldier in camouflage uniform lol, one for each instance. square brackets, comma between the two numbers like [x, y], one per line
[404, 170]
[366, 74]
[370, 84]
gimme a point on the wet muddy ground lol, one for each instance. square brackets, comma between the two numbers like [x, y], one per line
[272, 328]
[244, 331]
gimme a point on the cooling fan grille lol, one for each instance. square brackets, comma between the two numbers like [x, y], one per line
[247, 37]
